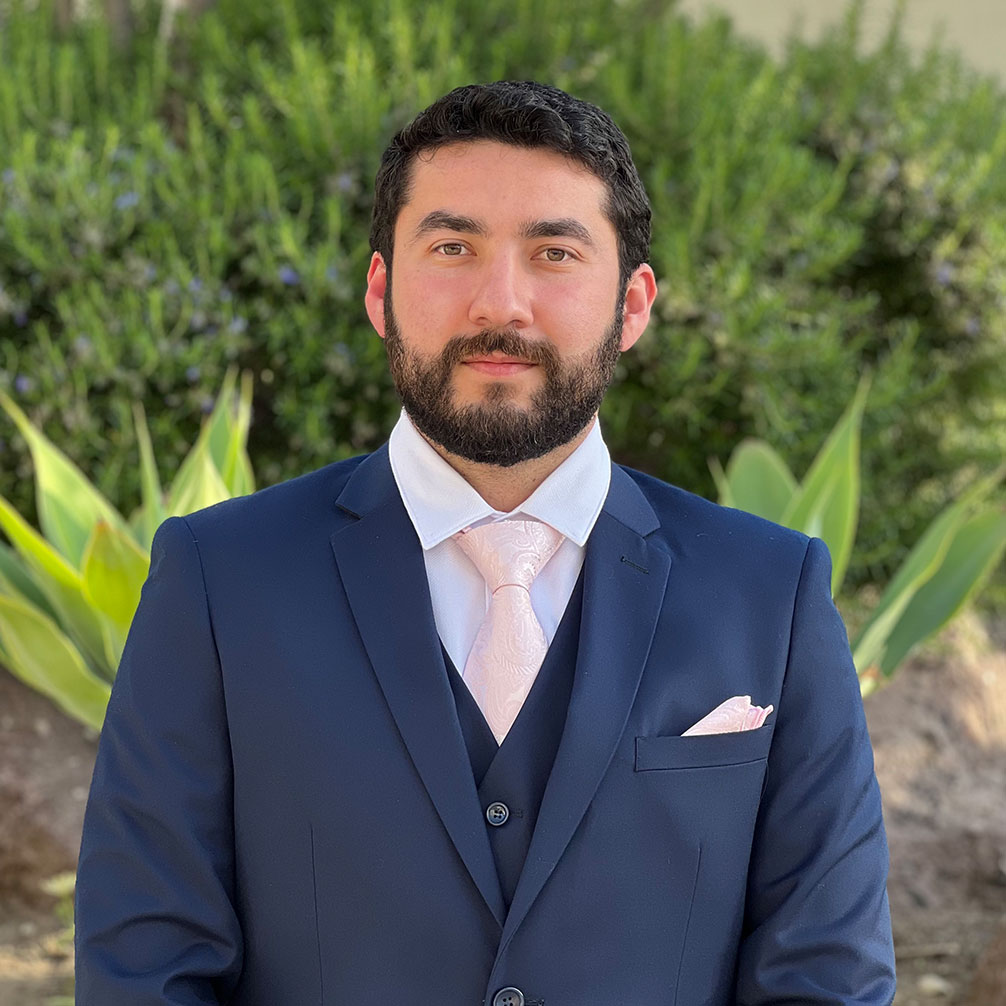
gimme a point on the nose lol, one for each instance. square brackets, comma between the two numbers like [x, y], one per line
[502, 296]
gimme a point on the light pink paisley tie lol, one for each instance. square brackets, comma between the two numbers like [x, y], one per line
[510, 645]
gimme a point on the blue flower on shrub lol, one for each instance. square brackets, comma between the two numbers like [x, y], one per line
[288, 276]
[195, 285]
[192, 374]
[237, 325]
[20, 317]
[82, 344]
[23, 384]
[332, 273]
[127, 200]
[945, 274]
[8, 176]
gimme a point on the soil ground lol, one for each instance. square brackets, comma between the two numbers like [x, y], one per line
[939, 733]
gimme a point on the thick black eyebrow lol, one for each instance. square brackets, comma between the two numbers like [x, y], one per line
[564, 227]
[442, 220]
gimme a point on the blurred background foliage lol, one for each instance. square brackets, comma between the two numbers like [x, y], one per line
[171, 207]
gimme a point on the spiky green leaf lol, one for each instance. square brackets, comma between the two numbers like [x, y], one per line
[921, 563]
[113, 573]
[16, 581]
[151, 513]
[199, 486]
[68, 504]
[59, 582]
[759, 481]
[37, 652]
[827, 503]
[236, 470]
[975, 551]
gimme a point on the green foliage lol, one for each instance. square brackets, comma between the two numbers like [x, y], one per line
[68, 595]
[168, 213]
[946, 567]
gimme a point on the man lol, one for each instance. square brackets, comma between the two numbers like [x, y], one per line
[409, 729]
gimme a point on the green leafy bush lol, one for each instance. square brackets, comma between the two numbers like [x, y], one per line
[945, 568]
[68, 595]
[165, 214]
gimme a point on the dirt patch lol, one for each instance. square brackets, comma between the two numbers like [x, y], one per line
[45, 766]
[36, 959]
[939, 733]
[939, 736]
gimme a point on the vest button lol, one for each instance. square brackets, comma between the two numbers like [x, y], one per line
[497, 814]
[509, 997]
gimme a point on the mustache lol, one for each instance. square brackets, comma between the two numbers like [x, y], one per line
[505, 341]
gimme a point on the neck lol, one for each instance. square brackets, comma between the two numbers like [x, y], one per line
[504, 489]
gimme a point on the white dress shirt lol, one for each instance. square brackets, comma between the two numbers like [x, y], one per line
[440, 503]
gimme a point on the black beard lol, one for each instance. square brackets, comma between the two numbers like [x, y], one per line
[495, 431]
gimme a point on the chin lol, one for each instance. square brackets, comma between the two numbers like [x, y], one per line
[494, 393]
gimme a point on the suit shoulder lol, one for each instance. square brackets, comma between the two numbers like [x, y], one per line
[684, 515]
[308, 496]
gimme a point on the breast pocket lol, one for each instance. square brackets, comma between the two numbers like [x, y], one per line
[655, 754]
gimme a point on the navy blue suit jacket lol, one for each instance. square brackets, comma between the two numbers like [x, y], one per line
[283, 811]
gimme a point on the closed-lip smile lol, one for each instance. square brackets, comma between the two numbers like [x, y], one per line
[497, 365]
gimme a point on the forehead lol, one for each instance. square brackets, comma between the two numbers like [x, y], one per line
[497, 181]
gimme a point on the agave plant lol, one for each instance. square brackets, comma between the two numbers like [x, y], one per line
[944, 570]
[68, 594]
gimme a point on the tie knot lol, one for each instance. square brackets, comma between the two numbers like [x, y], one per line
[510, 551]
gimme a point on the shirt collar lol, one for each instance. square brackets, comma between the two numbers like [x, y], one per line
[440, 502]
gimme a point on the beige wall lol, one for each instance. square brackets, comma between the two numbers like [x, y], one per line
[977, 27]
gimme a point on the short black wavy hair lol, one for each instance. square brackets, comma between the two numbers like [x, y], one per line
[524, 114]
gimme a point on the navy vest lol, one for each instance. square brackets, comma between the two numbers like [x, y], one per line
[515, 772]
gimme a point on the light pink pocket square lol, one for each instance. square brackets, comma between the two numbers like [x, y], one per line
[730, 717]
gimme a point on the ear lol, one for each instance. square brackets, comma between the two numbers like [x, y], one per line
[373, 299]
[639, 296]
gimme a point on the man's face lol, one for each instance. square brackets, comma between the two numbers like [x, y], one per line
[503, 317]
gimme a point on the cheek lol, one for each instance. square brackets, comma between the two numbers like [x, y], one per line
[573, 315]
[428, 303]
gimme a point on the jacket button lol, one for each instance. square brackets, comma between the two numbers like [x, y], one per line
[497, 814]
[509, 997]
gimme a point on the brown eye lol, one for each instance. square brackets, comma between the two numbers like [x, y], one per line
[555, 254]
[451, 249]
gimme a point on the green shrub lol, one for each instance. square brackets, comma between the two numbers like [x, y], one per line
[167, 214]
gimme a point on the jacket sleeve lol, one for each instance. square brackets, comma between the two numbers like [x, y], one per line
[155, 920]
[817, 926]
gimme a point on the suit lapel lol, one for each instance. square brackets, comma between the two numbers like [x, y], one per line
[624, 582]
[382, 568]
